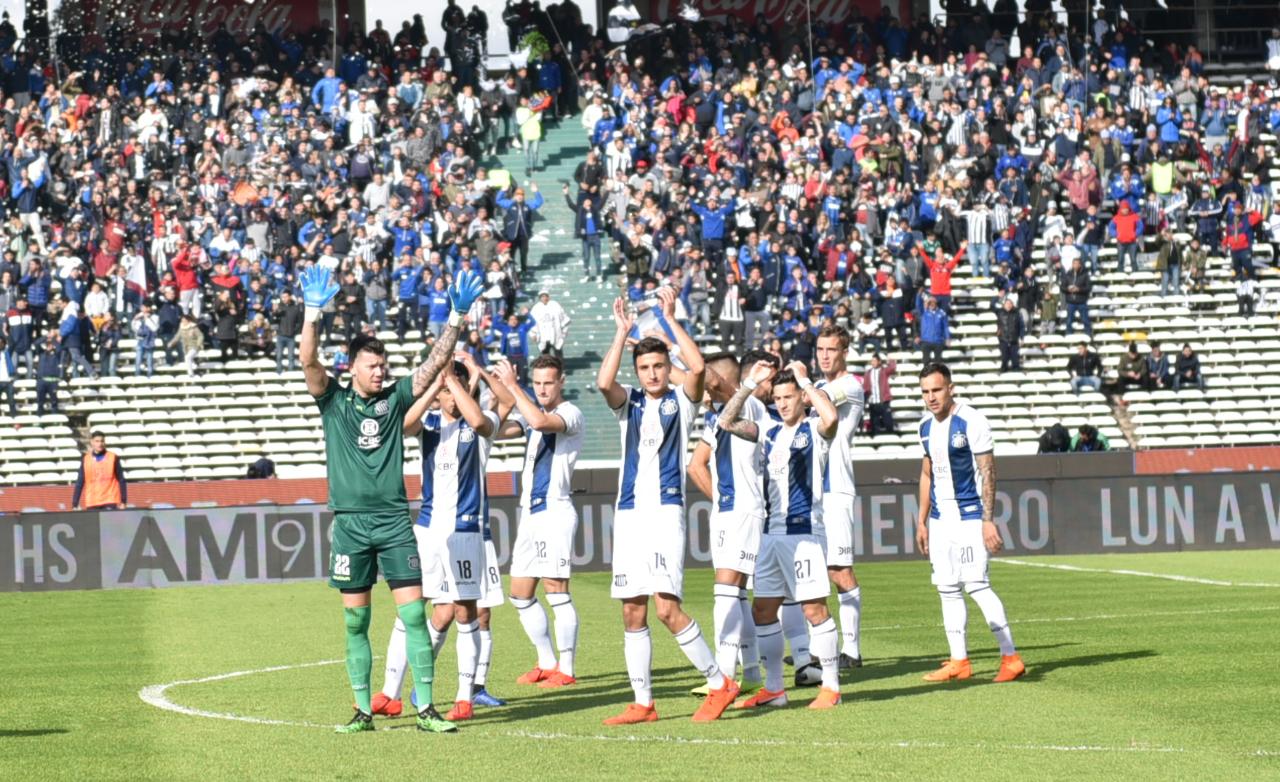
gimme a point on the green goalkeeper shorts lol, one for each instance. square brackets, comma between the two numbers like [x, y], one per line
[366, 543]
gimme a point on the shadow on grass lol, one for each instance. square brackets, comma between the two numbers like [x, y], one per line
[889, 667]
[31, 733]
[1036, 671]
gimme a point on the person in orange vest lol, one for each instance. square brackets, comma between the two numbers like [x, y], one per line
[100, 484]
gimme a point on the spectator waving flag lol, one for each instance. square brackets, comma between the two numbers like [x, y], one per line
[136, 276]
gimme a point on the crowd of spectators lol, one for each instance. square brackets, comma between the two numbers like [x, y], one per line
[781, 187]
[170, 190]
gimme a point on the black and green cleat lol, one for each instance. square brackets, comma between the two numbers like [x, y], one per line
[358, 724]
[429, 720]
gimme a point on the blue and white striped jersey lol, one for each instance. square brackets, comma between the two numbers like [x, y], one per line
[845, 392]
[548, 461]
[736, 463]
[952, 446]
[654, 456]
[795, 463]
[453, 473]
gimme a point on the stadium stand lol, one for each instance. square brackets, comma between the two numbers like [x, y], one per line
[393, 179]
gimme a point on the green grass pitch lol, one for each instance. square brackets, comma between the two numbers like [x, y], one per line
[1129, 677]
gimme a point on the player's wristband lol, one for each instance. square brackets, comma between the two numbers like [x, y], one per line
[804, 383]
[455, 318]
[310, 315]
[750, 384]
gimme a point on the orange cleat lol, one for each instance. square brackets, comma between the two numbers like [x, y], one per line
[1011, 667]
[556, 679]
[951, 669]
[763, 697]
[387, 707]
[717, 701]
[827, 699]
[634, 714]
[461, 711]
[534, 676]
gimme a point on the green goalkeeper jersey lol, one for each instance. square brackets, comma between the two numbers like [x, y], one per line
[364, 447]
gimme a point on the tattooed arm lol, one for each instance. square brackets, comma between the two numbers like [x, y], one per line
[730, 420]
[440, 356]
[987, 473]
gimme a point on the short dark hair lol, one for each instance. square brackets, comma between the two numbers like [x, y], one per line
[97, 433]
[839, 332]
[935, 368]
[366, 344]
[756, 355]
[720, 358]
[649, 345]
[784, 377]
[547, 362]
[460, 370]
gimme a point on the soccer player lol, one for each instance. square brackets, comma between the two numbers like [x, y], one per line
[364, 456]
[544, 538]
[729, 470]
[388, 702]
[450, 527]
[649, 525]
[955, 529]
[792, 560]
[838, 497]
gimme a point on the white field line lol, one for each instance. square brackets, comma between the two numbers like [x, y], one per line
[157, 695]
[1139, 573]
[1097, 617]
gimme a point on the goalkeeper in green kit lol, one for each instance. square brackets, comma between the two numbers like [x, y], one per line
[364, 460]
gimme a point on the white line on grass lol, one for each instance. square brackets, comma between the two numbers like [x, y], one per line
[1141, 573]
[154, 694]
[157, 695]
[1099, 617]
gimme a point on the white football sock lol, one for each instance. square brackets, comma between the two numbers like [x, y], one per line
[728, 624]
[566, 628]
[397, 662]
[796, 628]
[482, 662]
[468, 646]
[826, 647]
[695, 648]
[534, 621]
[955, 615]
[771, 643]
[850, 621]
[993, 611]
[638, 649]
[747, 641]
[438, 638]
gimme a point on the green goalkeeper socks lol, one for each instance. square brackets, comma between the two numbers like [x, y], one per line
[421, 658]
[359, 655]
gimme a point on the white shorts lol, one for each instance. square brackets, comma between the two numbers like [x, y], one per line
[956, 550]
[735, 540]
[493, 594]
[837, 522]
[793, 567]
[453, 565]
[544, 543]
[648, 552]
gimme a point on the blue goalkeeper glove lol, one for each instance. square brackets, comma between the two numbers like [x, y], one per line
[464, 291]
[318, 288]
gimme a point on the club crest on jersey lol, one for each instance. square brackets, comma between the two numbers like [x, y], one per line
[801, 441]
[467, 435]
[381, 407]
[958, 440]
[369, 438]
[668, 407]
